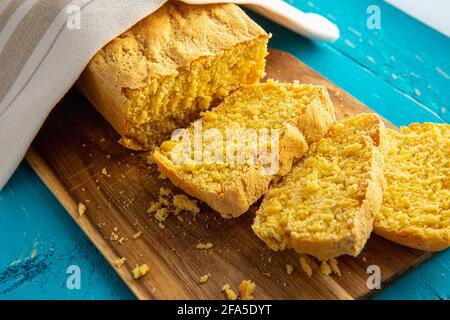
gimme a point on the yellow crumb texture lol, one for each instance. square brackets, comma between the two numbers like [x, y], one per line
[246, 289]
[224, 171]
[119, 262]
[229, 293]
[197, 56]
[81, 209]
[204, 245]
[140, 270]
[326, 205]
[416, 204]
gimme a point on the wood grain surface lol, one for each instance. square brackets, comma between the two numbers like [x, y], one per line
[76, 144]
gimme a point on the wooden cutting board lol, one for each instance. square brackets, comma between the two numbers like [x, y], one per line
[76, 143]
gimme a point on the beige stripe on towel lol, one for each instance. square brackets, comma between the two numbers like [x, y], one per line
[24, 40]
[8, 11]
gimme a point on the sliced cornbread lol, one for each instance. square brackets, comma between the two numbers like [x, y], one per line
[252, 137]
[326, 205]
[180, 60]
[416, 205]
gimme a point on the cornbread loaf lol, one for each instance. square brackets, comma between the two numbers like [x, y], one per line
[284, 118]
[416, 205]
[326, 205]
[180, 60]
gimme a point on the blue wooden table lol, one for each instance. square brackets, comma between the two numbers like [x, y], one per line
[401, 71]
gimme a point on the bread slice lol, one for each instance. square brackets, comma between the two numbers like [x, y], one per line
[326, 205]
[180, 60]
[262, 129]
[416, 205]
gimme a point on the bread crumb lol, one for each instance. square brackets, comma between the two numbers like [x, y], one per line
[81, 209]
[137, 235]
[183, 203]
[121, 240]
[364, 259]
[161, 226]
[114, 236]
[334, 266]
[306, 267]
[170, 203]
[204, 246]
[161, 214]
[230, 294]
[289, 269]
[162, 176]
[104, 172]
[165, 192]
[205, 278]
[266, 274]
[246, 289]
[325, 268]
[120, 262]
[140, 271]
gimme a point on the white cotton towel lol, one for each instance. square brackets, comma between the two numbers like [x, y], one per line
[44, 47]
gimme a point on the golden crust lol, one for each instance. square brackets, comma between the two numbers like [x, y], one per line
[415, 238]
[172, 38]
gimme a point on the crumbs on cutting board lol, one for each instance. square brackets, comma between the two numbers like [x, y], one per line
[137, 235]
[289, 269]
[116, 236]
[327, 267]
[204, 246]
[119, 262]
[246, 290]
[105, 173]
[229, 293]
[81, 209]
[205, 278]
[305, 265]
[168, 203]
[140, 270]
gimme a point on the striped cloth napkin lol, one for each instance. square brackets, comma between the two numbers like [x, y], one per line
[44, 47]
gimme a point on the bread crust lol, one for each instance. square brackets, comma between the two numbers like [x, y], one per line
[415, 238]
[159, 46]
